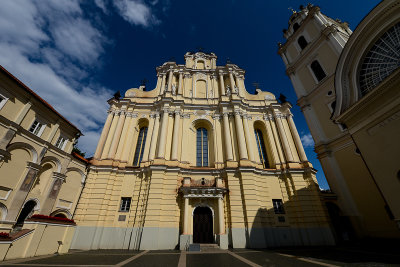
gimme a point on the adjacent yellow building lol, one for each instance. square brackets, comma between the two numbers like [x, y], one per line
[199, 160]
[38, 173]
[347, 85]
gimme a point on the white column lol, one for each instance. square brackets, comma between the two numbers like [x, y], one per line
[186, 217]
[169, 81]
[297, 139]
[271, 141]
[154, 137]
[129, 139]
[175, 141]
[232, 80]
[180, 83]
[117, 135]
[122, 142]
[237, 84]
[275, 135]
[240, 136]
[163, 134]
[162, 87]
[285, 143]
[221, 215]
[248, 140]
[221, 84]
[110, 135]
[227, 135]
[146, 150]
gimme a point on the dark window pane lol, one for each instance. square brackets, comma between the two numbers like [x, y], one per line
[302, 42]
[318, 71]
[261, 148]
[141, 141]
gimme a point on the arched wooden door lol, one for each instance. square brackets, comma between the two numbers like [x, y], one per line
[203, 225]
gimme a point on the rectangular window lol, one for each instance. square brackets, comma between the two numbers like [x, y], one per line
[61, 141]
[278, 206]
[37, 128]
[125, 204]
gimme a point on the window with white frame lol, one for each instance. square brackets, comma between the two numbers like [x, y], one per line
[61, 142]
[125, 204]
[37, 128]
[3, 101]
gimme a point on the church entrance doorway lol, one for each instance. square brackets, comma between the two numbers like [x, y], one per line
[202, 225]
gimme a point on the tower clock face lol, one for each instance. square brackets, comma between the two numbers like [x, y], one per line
[381, 60]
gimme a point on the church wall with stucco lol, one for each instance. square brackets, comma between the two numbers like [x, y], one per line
[167, 186]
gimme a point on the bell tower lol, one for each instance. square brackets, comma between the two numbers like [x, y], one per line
[313, 45]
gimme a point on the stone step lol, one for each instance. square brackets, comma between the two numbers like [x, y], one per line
[209, 247]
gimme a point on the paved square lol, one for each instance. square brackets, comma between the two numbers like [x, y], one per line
[296, 257]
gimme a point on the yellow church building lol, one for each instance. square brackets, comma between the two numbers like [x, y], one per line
[199, 160]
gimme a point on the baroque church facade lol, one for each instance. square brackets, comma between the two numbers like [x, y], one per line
[198, 159]
[347, 84]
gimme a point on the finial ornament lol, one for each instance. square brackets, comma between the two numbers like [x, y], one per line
[293, 11]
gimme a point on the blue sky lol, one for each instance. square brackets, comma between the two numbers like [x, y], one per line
[76, 54]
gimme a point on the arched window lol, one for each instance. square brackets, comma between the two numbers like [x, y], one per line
[302, 42]
[202, 147]
[26, 210]
[141, 141]
[261, 148]
[318, 71]
[296, 26]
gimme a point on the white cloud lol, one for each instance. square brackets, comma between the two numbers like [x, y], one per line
[307, 140]
[89, 142]
[102, 5]
[136, 12]
[51, 47]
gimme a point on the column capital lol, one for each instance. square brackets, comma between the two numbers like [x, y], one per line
[60, 176]
[177, 112]
[33, 166]
[132, 114]
[247, 116]
[185, 115]
[216, 116]
[237, 112]
[154, 115]
[225, 114]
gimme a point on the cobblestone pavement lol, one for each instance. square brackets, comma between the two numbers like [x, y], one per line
[297, 257]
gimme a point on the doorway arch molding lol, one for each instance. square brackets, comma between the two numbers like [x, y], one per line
[203, 205]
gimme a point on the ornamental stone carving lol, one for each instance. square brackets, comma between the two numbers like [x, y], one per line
[201, 76]
[269, 98]
[131, 94]
[173, 89]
